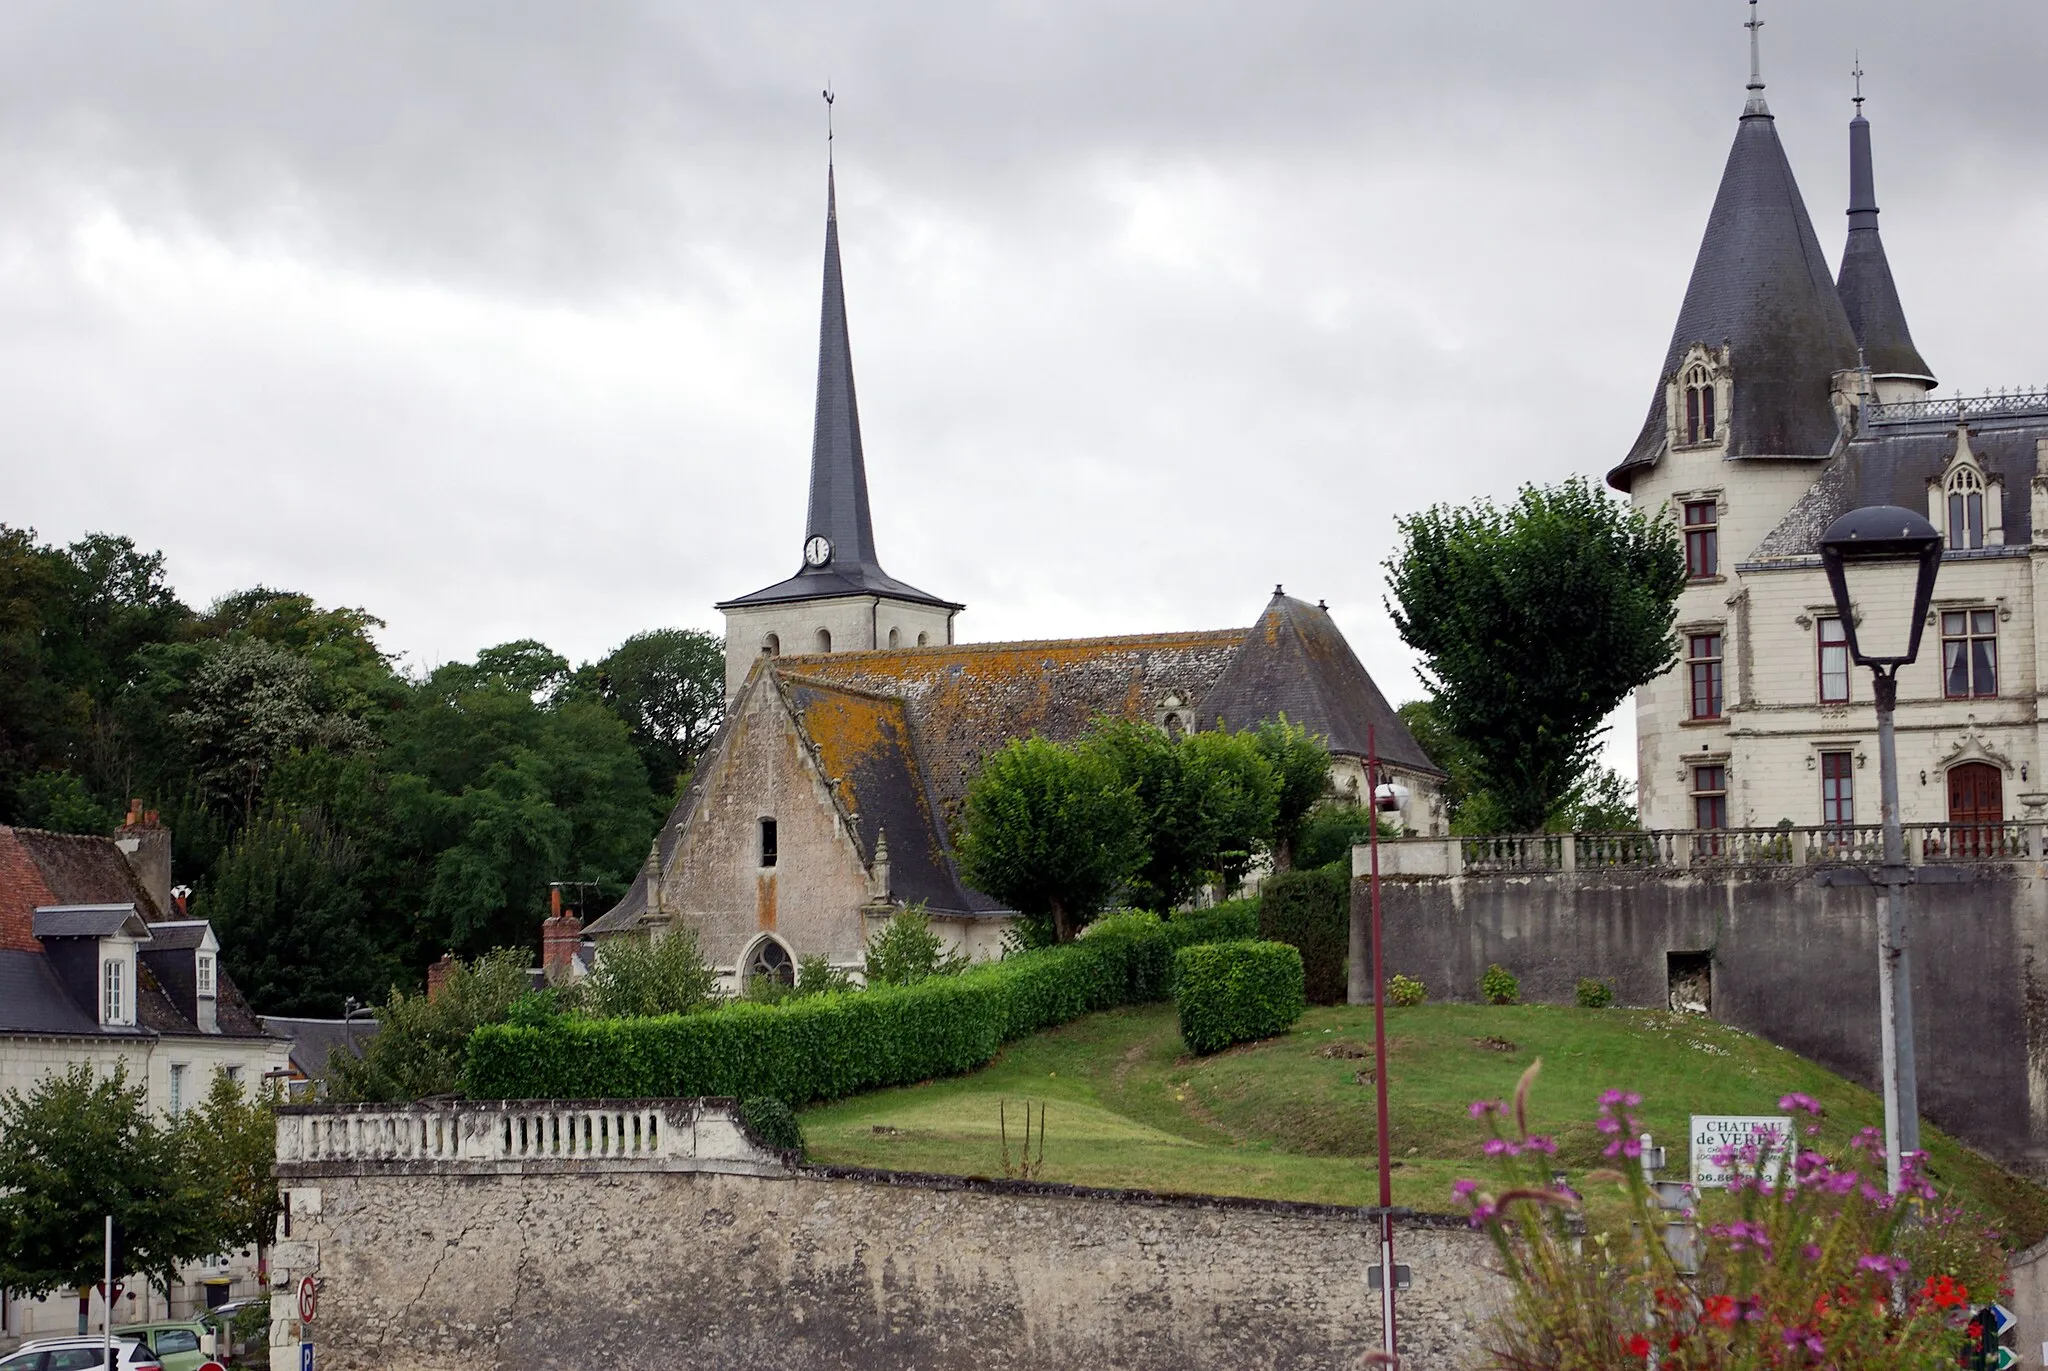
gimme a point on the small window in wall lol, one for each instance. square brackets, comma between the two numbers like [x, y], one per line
[924, 640]
[177, 1101]
[771, 646]
[771, 961]
[1703, 659]
[895, 637]
[767, 842]
[1834, 661]
[1965, 508]
[113, 991]
[824, 640]
[1837, 789]
[1699, 406]
[1702, 540]
[1969, 653]
[205, 973]
[1710, 797]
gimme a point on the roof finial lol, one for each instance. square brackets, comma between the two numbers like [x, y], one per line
[1756, 103]
[1858, 74]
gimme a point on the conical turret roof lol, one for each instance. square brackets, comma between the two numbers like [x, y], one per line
[1761, 286]
[1865, 284]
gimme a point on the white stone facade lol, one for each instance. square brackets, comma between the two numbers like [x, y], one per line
[847, 623]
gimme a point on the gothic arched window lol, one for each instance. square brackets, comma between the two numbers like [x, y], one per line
[1699, 405]
[771, 960]
[1965, 508]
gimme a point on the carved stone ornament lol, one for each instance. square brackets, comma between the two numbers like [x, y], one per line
[1973, 746]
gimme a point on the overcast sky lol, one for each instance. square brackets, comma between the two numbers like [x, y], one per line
[500, 319]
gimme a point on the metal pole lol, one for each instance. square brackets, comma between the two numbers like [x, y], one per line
[107, 1307]
[1894, 963]
[1379, 1050]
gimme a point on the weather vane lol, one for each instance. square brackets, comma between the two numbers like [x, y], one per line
[1858, 74]
[830, 97]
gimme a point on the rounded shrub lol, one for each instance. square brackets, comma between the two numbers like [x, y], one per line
[1499, 986]
[1595, 994]
[1236, 992]
[1311, 911]
[1405, 992]
[772, 1123]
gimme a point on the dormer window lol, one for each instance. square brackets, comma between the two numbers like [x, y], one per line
[1699, 405]
[205, 973]
[1966, 502]
[1965, 508]
[113, 991]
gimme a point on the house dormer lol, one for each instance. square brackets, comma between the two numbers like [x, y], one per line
[1966, 502]
[1698, 399]
[93, 949]
[184, 957]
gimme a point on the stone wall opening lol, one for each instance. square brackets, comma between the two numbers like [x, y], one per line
[1689, 979]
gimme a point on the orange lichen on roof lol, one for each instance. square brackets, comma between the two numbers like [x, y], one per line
[848, 727]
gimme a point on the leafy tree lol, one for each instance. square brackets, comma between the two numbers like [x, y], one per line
[1604, 801]
[420, 1040]
[1330, 832]
[1237, 790]
[1301, 772]
[1052, 832]
[668, 687]
[1426, 723]
[1534, 622]
[906, 951]
[1206, 801]
[637, 977]
[60, 802]
[79, 1147]
[293, 926]
[250, 704]
[235, 1131]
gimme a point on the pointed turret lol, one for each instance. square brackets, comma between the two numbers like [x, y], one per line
[1865, 285]
[839, 533]
[1760, 288]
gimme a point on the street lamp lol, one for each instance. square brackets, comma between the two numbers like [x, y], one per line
[1882, 561]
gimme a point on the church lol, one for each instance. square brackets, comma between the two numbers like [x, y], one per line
[1788, 397]
[856, 720]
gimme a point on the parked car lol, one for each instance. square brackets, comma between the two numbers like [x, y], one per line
[180, 1344]
[80, 1354]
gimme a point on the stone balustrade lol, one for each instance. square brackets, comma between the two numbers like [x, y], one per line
[520, 1136]
[1686, 849]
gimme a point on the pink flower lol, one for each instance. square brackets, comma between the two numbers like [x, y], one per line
[1800, 1100]
[1479, 1109]
[1805, 1337]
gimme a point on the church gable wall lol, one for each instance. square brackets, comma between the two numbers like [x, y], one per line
[810, 898]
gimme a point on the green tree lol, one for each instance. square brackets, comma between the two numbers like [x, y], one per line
[1206, 801]
[1052, 832]
[1237, 790]
[636, 977]
[668, 687]
[78, 1147]
[1604, 801]
[235, 1132]
[420, 1041]
[251, 703]
[1301, 773]
[1331, 831]
[1534, 623]
[905, 951]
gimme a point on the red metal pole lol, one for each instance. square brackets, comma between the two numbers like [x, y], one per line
[1379, 1050]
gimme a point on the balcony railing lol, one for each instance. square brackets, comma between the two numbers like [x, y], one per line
[2016, 403]
[1683, 849]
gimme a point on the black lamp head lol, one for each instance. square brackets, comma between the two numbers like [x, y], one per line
[1895, 539]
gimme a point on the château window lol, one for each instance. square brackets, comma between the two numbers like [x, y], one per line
[1834, 662]
[824, 640]
[771, 646]
[1969, 653]
[1703, 660]
[1965, 508]
[1702, 540]
[205, 974]
[1837, 789]
[767, 842]
[1710, 797]
[114, 991]
[1699, 405]
[771, 962]
[177, 1100]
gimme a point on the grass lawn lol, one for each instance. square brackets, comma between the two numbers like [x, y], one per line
[1292, 1118]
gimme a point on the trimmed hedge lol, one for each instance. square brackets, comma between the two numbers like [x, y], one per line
[826, 1046]
[1235, 992]
[1311, 910]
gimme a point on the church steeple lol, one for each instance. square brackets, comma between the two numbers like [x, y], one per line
[1761, 290]
[1865, 283]
[839, 477]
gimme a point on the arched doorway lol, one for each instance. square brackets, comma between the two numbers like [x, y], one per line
[1976, 810]
[769, 959]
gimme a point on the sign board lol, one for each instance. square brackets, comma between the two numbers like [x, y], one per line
[1712, 1132]
[305, 1356]
[309, 1300]
[211, 1366]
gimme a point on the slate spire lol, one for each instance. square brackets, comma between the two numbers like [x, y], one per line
[1865, 283]
[1761, 287]
[839, 476]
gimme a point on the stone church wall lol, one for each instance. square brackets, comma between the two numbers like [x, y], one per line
[555, 1267]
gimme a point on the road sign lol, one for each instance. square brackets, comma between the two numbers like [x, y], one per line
[305, 1356]
[309, 1300]
[211, 1366]
[1374, 1278]
[2001, 1320]
[2005, 1360]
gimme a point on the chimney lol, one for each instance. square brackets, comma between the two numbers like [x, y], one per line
[437, 974]
[560, 936]
[146, 843]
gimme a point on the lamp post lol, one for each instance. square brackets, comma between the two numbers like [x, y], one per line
[1882, 561]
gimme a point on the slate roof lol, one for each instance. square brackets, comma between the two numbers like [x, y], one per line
[315, 1041]
[87, 921]
[80, 869]
[1296, 662]
[839, 476]
[1760, 285]
[33, 1000]
[1865, 285]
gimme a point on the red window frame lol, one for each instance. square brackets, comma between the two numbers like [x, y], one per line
[1837, 789]
[1702, 540]
[1831, 666]
[1703, 664]
[1710, 796]
[1969, 653]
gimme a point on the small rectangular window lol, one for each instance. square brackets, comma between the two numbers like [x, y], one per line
[1834, 662]
[205, 974]
[1702, 540]
[1703, 660]
[1969, 653]
[767, 842]
[1710, 797]
[1837, 789]
[1692, 414]
[113, 991]
[177, 1089]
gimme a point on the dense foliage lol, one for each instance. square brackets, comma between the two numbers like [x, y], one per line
[905, 951]
[81, 1146]
[827, 1046]
[1534, 623]
[1498, 985]
[1301, 773]
[1310, 910]
[342, 822]
[1817, 1267]
[1236, 992]
[421, 1040]
[639, 976]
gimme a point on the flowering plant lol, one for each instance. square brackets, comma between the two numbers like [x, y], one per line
[1808, 1262]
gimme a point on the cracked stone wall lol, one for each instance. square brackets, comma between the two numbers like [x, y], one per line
[826, 1269]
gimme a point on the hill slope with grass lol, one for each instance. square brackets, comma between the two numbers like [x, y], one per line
[1292, 1118]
